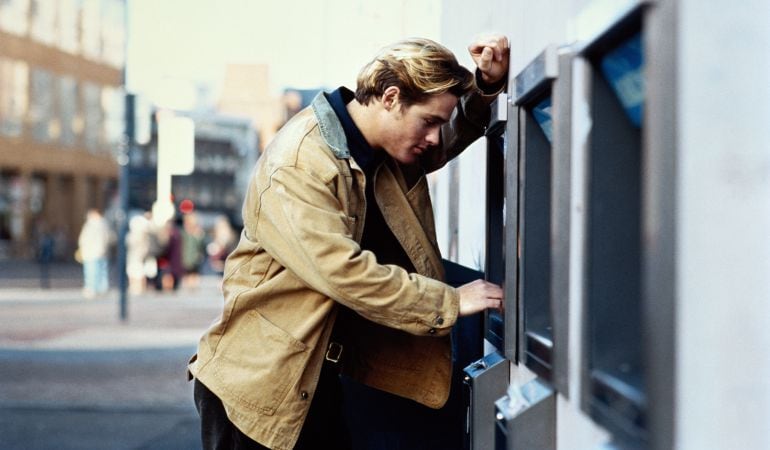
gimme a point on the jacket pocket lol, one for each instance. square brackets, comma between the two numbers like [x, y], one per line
[259, 363]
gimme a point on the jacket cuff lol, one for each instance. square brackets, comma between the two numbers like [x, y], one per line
[440, 321]
[489, 90]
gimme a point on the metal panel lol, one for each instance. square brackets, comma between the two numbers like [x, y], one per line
[498, 115]
[659, 222]
[512, 311]
[525, 419]
[536, 75]
[560, 219]
[486, 380]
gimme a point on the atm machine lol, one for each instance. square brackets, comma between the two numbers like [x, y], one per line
[526, 416]
[487, 378]
[613, 371]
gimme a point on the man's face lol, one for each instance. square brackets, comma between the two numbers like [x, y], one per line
[410, 130]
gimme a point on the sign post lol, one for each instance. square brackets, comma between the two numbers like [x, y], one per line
[176, 156]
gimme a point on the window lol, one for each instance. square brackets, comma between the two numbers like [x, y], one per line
[14, 98]
[45, 125]
[14, 16]
[113, 121]
[68, 26]
[91, 29]
[92, 132]
[68, 111]
[43, 21]
[113, 33]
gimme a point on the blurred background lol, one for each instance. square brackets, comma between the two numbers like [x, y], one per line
[89, 357]
[238, 69]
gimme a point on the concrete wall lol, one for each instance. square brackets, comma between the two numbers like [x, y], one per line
[723, 328]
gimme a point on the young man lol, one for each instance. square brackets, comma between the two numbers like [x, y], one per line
[338, 218]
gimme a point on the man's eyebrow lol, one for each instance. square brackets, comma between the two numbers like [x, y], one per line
[438, 118]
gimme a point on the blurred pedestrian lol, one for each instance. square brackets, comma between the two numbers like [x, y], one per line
[193, 249]
[93, 246]
[337, 219]
[46, 246]
[139, 253]
[223, 240]
[170, 266]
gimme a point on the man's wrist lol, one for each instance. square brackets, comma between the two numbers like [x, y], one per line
[489, 89]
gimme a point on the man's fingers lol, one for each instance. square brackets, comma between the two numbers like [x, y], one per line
[493, 291]
[498, 44]
[494, 303]
[486, 59]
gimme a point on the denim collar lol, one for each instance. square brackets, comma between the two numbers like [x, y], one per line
[331, 128]
[363, 153]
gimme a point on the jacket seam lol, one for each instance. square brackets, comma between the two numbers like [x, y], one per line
[215, 348]
[293, 165]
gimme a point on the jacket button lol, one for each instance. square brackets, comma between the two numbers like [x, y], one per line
[304, 395]
[432, 331]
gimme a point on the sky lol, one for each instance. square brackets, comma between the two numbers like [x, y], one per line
[306, 43]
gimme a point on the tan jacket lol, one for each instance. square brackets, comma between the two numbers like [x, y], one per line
[299, 257]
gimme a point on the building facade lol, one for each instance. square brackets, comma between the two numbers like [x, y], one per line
[61, 117]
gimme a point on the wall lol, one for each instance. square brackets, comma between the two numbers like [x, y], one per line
[723, 328]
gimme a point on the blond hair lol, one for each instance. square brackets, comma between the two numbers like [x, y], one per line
[419, 68]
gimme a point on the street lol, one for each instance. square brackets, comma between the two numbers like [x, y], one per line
[74, 376]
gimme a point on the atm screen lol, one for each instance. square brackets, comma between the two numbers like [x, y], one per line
[613, 299]
[495, 257]
[542, 114]
[623, 68]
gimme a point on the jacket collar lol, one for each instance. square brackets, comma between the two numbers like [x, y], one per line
[331, 128]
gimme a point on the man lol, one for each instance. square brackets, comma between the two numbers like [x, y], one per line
[338, 218]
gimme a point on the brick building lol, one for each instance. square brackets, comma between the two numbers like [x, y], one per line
[61, 116]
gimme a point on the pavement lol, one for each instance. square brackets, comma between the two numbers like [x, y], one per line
[76, 376]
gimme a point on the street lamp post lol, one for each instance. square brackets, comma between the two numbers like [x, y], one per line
[123, 160]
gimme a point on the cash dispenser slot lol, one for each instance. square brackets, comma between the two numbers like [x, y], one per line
[525, 418]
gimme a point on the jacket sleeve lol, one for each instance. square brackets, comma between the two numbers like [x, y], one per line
[300, 223]
[468, 123]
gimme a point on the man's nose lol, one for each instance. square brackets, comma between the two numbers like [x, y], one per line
[433, 136]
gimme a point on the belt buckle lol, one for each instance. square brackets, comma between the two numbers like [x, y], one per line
[334, 352]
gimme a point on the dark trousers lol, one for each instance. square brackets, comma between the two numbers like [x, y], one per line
[324, 426]
[382, 421]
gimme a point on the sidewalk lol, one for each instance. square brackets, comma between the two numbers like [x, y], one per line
[28, 275]
[77, 377]
[63, 319]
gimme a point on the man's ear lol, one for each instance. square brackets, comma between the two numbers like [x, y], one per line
[390, 97]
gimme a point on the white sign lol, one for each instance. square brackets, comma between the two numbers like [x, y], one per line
[176, 144]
